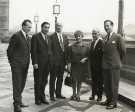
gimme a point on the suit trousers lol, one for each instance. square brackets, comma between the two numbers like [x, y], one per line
[97, 82]
[40, 80]
[56, 77]
[19, 75]
[111, 84]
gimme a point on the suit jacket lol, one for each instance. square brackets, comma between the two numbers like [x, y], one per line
[95, 54]
[19, 49]
[58, 56]
[114, 52]
[39, 49]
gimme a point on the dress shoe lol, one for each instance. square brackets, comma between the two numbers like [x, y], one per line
[60, 97]
[92, 98]
[38, 102]
[73, 97]
[23, 105]
[78, 98]
[52, 99]
[104, 103]
[99, 99]
[111, 106]
[44, 101]
[17, 108]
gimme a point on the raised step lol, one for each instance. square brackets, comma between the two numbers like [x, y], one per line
[127, 91]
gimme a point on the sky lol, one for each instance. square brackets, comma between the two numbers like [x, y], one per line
[75, 14]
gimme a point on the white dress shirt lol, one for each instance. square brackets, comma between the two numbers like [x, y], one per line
[44, 37]
[24, 34]
[60, 36]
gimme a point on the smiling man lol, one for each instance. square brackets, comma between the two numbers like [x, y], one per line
[113, 54]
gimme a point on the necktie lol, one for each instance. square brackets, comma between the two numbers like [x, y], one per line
[61, 43]
[27, 37]
[46, 39]
[108, 36]
[28, 41]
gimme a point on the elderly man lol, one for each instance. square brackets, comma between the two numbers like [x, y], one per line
[18, 53]
[59, 45]
[114, 52]
[95, 57]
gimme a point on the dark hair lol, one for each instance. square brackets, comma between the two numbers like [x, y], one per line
[25, 21]
[42, 25]
[111, 22]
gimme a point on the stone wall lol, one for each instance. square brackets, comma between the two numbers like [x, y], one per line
[4, 17]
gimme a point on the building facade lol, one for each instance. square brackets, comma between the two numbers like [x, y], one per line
[4, 17]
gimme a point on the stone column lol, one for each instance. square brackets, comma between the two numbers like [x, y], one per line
[120, 17]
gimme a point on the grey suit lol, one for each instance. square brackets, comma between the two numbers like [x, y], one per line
[113, 54]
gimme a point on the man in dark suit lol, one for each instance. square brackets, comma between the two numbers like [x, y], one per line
[40, 60]
[59, 44]
[95, 57]
[114, 53]
[18, 53]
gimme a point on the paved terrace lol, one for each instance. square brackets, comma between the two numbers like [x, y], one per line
[60, 105]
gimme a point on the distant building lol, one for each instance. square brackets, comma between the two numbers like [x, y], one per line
[4, 17]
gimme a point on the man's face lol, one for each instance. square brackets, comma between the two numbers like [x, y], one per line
[95, 35]
[59, 28]
[108, 27]
[45, 28]
[27, 27]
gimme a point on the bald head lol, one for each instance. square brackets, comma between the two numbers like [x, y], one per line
[96, 30]
[95, 34]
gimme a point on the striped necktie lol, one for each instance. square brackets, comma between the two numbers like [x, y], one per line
[61, 43]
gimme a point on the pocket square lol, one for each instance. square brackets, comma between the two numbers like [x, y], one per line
[113, 42]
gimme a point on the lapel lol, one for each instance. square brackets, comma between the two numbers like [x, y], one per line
[42, 39]
[23, 37]
[57, 40]
[92, 45]
[112, 37]
[96, 46]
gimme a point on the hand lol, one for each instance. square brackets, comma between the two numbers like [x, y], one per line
[35, 66]
[83, 60]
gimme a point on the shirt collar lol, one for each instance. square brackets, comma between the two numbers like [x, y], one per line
[23, 33]
[58, 34]
[111, 34]
[43, 35]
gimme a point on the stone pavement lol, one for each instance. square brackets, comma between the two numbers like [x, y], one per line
[28, 97]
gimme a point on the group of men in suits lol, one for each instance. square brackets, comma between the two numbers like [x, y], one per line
[48, 54]
[106, 57]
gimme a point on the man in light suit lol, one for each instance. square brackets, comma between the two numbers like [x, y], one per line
[95, 57]
[59, 45]
[114, 53]
[18, 53]
[40, 60]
